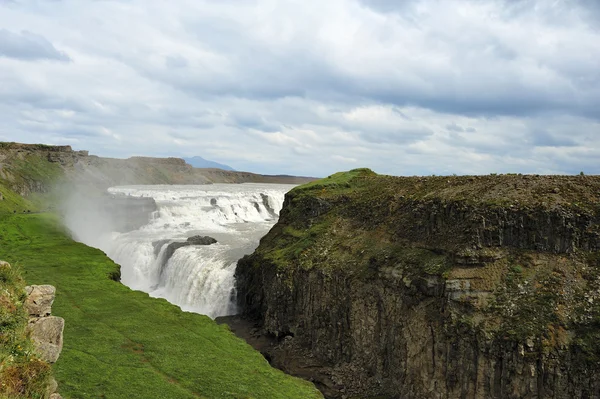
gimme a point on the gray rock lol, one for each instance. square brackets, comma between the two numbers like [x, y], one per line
[195, 240]
[201, 240]
[47, 336]
[55, 396]
[174, 246]
[39, 300]
[157, 245]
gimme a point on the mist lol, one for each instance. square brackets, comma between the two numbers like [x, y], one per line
[137, 226]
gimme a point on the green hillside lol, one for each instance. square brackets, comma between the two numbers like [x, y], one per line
[121, 343]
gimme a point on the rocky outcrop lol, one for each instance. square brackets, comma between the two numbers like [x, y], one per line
[45, 330]
[28, 168]
[441, 287]
[39, 300]
[47, 334]
[195, 240]
[175, 245]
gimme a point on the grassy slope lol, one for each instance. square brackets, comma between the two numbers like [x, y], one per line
[13, 202]
[121, 343]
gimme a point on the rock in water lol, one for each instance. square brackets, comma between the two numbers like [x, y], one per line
[157, 245]
[174, 246]
[201, 240]
[195, 240]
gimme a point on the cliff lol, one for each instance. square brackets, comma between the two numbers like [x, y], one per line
[37, 168]
[433, 287]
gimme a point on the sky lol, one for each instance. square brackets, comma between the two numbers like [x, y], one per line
[310, 87]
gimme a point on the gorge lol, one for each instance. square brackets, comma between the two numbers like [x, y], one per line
[165, 254]
[118, 342]
[432, 287]
[369, 286]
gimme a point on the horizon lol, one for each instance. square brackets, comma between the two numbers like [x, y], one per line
[185, 159]
[307, 88]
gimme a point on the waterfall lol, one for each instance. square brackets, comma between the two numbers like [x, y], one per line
[198, 278]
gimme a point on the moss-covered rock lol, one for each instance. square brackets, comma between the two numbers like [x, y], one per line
[420, 287]
[23, 374]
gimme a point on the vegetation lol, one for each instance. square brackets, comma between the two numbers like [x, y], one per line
[325, 228]
[370, 226]
[13, 203]
[340, 180]
[22, 373]
[122, 343]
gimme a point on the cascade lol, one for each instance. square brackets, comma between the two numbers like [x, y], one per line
[198, 278]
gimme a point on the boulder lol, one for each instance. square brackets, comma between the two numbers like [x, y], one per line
[174, 246]
[39, 300]
[201, 240]
[47, 336]
[195, 240]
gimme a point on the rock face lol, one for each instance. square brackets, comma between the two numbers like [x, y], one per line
[28, 168]
[47, 334]
[39, 300]
[441, 287]
[46, 330]
[174, 246]
[196, 240]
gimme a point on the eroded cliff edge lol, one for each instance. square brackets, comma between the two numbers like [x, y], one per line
[434, 287]
[37, 168]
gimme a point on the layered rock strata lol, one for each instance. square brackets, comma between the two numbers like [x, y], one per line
[34, 168]
[438, 287]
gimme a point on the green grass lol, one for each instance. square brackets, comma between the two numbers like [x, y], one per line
[13, 202]
[337, 181]
[35, 168]
[121, 343]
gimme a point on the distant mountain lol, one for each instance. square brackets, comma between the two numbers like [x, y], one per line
[199, 162]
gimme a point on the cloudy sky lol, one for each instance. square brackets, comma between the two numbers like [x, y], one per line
[309, 87]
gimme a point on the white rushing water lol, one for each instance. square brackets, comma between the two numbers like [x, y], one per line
[198, 278]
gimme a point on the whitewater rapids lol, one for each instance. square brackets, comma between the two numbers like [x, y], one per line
[197, 278]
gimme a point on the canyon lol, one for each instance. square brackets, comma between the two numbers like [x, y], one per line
[431, 287]
[374, 286]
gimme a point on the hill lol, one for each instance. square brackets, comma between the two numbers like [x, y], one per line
[37, 168]
[199, 162]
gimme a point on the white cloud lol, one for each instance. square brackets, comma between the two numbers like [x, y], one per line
[344, 159]
[309, 87]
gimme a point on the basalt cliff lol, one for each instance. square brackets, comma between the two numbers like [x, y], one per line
[433, 287]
